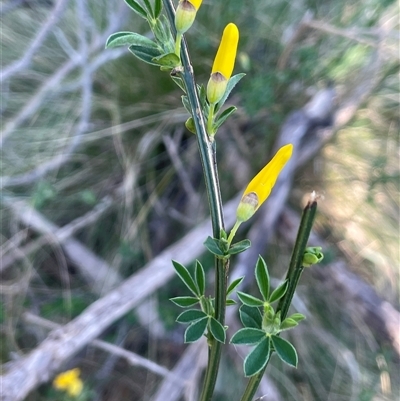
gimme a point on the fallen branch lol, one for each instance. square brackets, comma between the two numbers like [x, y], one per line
[40, 365]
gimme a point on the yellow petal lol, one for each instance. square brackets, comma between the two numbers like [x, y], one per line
[196, 3]
[264, 181]
[261, 185]
[225, 59]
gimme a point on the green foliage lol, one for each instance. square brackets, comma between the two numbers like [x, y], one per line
[220, 247]
[129, 38]
[196, 330]
[250, 317]
[186, 278]
[217, 330]
[262, 278]
[285, 350]
[184, 302]
[248, 336]
[279, 292]
[190, 316]
[232, 286]
[249, 300]
[233, 81]
[214, 246]
[258, 358]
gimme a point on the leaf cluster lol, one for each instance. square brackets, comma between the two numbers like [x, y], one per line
[262, 329]
[160, 51]
[198, 319]
[221, 247]
[220, 116]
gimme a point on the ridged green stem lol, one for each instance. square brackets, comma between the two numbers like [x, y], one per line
[293, 276]
[208, 159]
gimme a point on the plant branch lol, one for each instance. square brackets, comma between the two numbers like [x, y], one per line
[293, 276]
[208, 158]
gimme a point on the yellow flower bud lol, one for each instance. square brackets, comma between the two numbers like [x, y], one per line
[261, 185]
[223, 64]
[185, 14]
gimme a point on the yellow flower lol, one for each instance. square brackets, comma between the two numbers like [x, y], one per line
[69, 381]
[185, 14]
[261, 185]
[223, 64]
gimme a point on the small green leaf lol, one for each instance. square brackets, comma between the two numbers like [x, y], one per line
[239, 247]
[162, 33]
[186, 104]
[222, 233]
[190, 315]
[145, 54]
[257, 358]
[233, 81]
[230, 302]
[202, 94]
[157, 8]
[285, 350]
[137, 8]
[279, 292]
[195, 330]
[184, 302]
[247, 336]
[189, 124]
[179, 82]
[200, 277]
[129, 38]
[250, 317]
[223, 245]
[249, 300]
[312, 255]
[298, 317]
[185, 276]
[262, 278]
[212, 245]
[149, 8]
[233, 285]
[170, 60]
[287, 324]
[221, 118]
[217, 330]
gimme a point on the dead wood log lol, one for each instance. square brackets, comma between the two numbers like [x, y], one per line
[41, 364]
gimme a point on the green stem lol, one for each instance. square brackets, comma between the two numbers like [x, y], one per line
[233, 232]
[296, 262]
[178, 41]
[293, 276]
[210, 120]
[208, 159]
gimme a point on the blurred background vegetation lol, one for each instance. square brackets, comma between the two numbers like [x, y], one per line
[93, 140]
